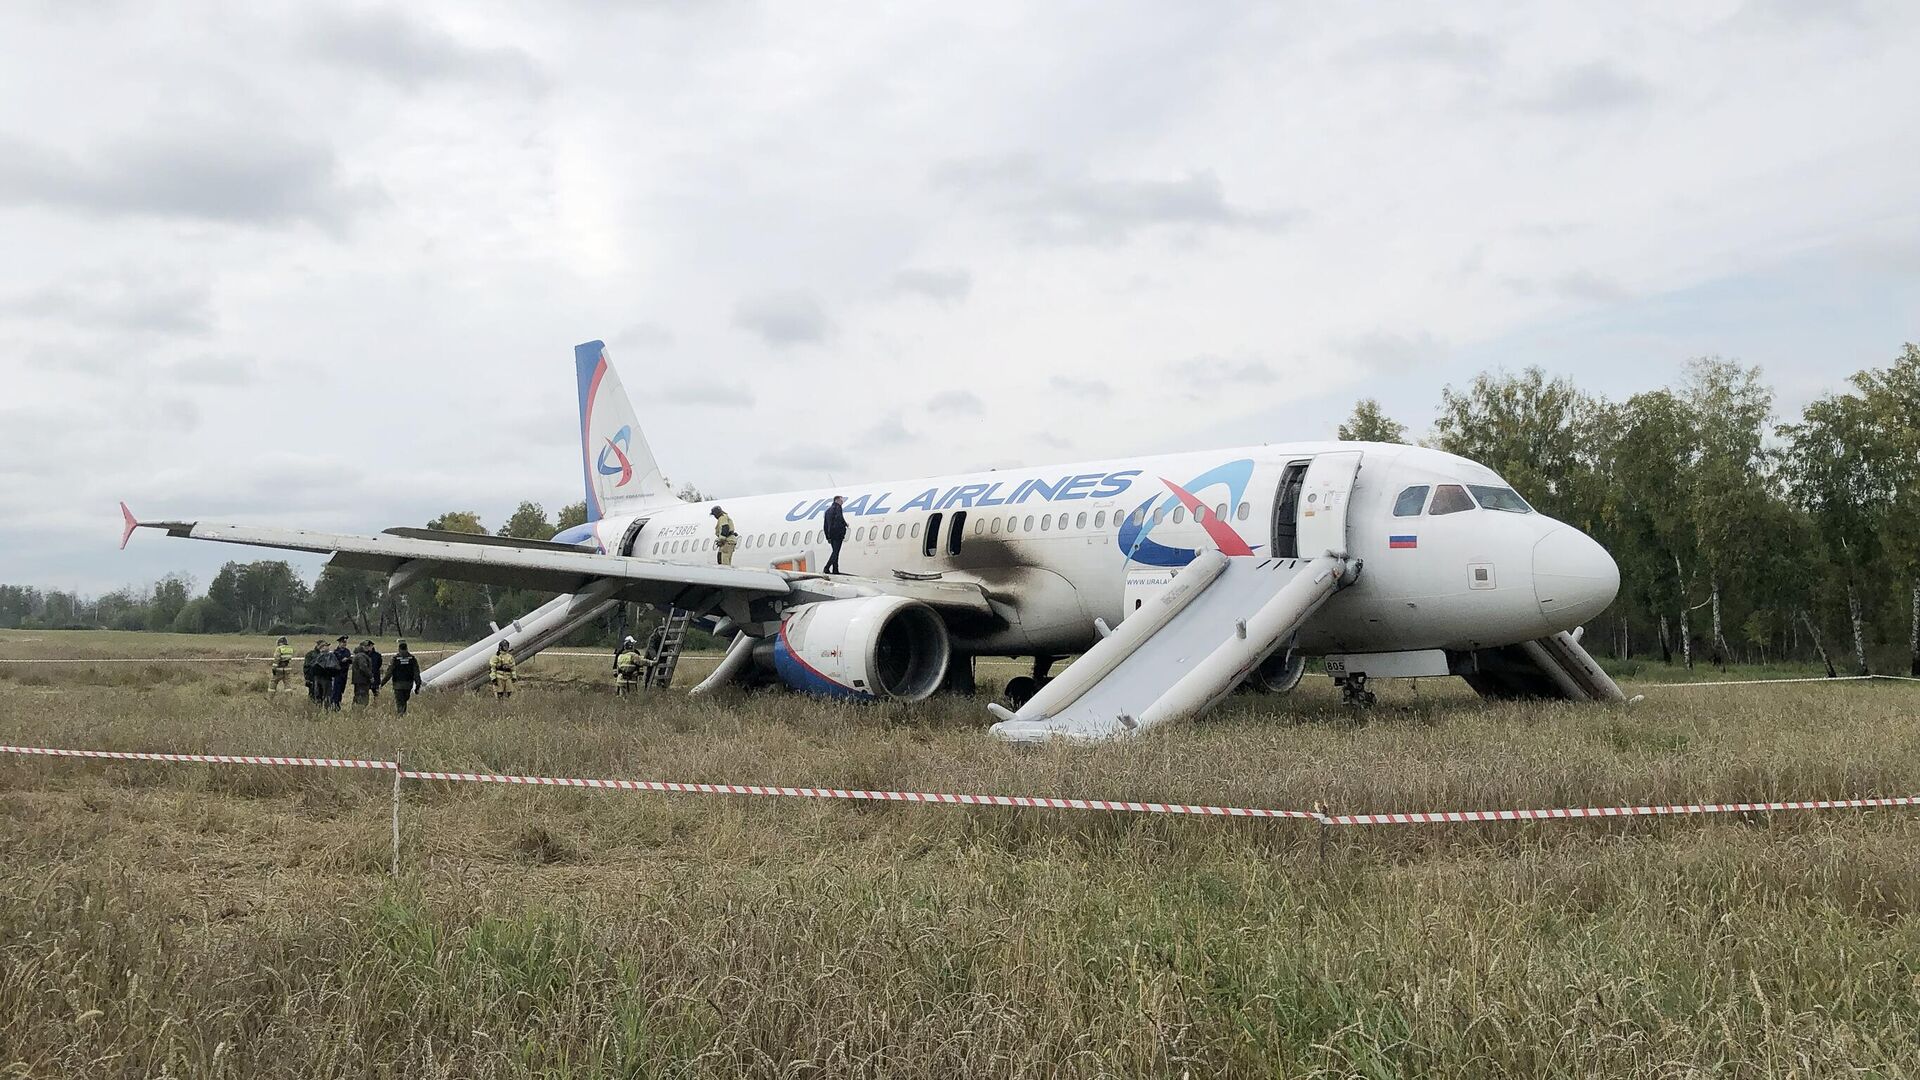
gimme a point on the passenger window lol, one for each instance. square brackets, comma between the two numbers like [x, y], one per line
[1179, 515]
[1245, 509]
[1410, 501]
[1450, 499]
[933, 534]
[980, 528]
[956, 534]
[996, 526]
[1081, 521]
[1046, 520]
[1100, 519]
[886, 532]
[1159, 514]
[1220, 512]
[1027, 525]
[1062, 523]
[916, 529]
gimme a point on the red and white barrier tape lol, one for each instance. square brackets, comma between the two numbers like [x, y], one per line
[1033, 802]
[1037, 802]
[208, 759]
[1463, 816]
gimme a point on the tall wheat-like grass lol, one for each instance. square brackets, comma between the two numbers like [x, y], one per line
[209, 921]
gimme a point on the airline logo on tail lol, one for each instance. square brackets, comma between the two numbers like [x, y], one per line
[620, 466]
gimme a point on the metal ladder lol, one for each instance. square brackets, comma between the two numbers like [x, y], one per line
[663, 658]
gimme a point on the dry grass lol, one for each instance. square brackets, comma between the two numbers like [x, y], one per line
[229, 922]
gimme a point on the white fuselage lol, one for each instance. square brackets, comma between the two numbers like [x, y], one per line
[1054, 547]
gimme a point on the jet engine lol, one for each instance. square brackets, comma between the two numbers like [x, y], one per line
[863, 648]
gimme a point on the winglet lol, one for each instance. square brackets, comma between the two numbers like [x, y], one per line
[132, 523]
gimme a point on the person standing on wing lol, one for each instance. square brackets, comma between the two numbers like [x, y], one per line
[834, 528]
[725, 539]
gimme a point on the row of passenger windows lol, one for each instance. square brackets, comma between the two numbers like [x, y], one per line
[992, 526]
[1453, 498]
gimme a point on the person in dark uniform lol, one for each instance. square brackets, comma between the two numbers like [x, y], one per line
[834, 528]
[404, 674]
[366, 673]
[312, 671]
[341, 670]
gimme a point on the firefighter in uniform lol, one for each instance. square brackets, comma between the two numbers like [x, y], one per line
[500, 673]
[282, 668]
[725, 539]
[627, 666]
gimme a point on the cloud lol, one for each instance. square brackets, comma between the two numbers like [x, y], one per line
[1591, 88]
[1583, 286]
[212, 369]
[783, 318]
[708, 392]
[957, 403]
[248, 178]
[1205, 376]
[1078, 210]
[888, 432]
[125, 301]
[1445, 47]
[808, 458]
[410, 53]
[644, 335]
[1087, 389]
[1384, 352]
[945, 285]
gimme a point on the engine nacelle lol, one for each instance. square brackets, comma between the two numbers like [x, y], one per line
[864, 647]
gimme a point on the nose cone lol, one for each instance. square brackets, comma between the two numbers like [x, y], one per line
[1574, 578]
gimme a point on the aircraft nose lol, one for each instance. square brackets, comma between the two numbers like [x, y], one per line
[1574, 578]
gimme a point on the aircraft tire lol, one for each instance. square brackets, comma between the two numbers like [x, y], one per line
[1020, 690]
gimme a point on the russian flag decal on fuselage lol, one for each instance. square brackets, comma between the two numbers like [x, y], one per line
[1399, 542]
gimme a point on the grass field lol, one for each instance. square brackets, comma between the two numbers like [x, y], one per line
[205, 921]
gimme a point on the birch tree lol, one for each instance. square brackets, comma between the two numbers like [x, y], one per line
[1727, 499]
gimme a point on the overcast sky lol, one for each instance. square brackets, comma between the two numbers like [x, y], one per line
[325, 266]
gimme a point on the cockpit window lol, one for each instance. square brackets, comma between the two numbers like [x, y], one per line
[1410, 501]
[1449, 499]
[1500, 498]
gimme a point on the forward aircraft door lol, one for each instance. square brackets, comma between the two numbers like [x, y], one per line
[1324, 495]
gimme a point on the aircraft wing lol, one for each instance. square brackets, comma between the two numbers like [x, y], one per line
[409, 555]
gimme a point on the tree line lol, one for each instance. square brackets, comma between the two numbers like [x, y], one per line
[1740, 534]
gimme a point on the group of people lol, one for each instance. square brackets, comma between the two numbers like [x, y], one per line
[726, 539]
[328, 670]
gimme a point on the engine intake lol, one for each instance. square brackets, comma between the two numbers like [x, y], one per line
[865, 647]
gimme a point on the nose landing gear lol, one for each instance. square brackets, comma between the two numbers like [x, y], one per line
[1354, 692]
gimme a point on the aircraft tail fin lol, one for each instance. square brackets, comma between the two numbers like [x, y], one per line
[621, 473]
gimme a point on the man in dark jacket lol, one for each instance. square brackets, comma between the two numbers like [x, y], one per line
[311, 669]
[341, 669]
[366, 672]
[834, 528]
[404, 674]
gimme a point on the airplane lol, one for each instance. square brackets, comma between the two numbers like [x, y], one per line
[1174, 579]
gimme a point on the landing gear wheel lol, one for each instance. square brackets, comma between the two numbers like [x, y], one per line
[1354, 692]
[1020, 690]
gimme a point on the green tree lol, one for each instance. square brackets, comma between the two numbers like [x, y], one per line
[1893, 401]
[1833, 469]
[1545, 437]
[529, 522]
[574, 513]
[1732, 410]
[1651, 509]
[1369, 424]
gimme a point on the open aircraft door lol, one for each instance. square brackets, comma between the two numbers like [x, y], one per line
[1324, 497]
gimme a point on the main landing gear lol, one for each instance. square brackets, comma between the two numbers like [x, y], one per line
[1021, 688]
